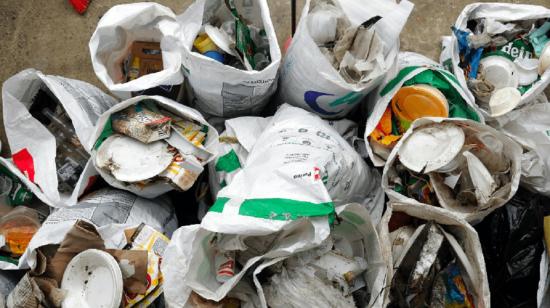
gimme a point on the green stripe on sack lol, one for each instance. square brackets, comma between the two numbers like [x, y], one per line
[228, 162]
[219, 204]
[277, 208]
[105, 133]
[400, 76]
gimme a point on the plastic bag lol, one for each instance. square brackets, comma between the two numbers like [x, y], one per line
[299, 167]
[462, 238]
[55, 161]
[104, 130]
[310, 81]
[512, 242]
[500, 12]
[223, 90]
[414, 69]
[119, 28]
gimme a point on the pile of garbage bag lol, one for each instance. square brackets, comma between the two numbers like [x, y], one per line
[222, 173]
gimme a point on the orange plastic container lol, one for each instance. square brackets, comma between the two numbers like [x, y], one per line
[18, 227]
[413, 102]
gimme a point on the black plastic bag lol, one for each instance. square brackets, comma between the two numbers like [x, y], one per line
[512, 242]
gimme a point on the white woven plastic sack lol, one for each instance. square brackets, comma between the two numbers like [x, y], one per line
[393, 82]
[32, 146]
[222, 90]
[118, 28]
[157, 188]
[188, 263]
[111, 211]
[299, 167]
[502, 12]
[511, 151]
[309, 80]
[238, 139]
[530, 127]
[473, 270]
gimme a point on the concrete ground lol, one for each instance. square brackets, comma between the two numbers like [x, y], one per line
[50, 36]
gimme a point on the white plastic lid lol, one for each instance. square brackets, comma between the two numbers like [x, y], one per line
[92, 279]
[130, 160]
[499, 71]
[544, 59]
[430, 148]
[527, 70]
[221, 39]
[504, 100]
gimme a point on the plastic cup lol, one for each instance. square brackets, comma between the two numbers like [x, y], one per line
[92, 279]
[499, 71]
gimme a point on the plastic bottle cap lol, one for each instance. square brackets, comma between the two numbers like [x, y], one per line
[544, 59]
[203, 43]
[413, 102]
[527, 70]
[92, 279]
[504, 100]
[499, 71]
[430, 148]
[214, 55]
[130, 160]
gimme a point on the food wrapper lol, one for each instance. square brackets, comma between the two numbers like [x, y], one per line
[188, 137]
[142, 122]
[147, 238]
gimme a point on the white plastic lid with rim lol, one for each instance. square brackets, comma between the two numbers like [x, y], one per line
[544, 59]
[430, 148]
[221, 39]
[504, 100]
[499, 71]
[92, 279]
[130, 160]
[527, 70]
